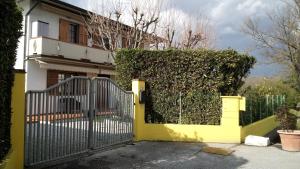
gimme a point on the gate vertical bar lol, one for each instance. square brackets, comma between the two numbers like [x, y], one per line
[90, 115]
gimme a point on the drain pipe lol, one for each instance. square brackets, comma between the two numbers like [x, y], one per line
[25, 31]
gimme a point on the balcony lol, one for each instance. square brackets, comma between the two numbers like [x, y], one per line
[53, 47]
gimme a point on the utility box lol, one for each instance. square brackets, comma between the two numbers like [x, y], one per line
[142, 98]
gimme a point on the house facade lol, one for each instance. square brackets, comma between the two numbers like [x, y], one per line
[56, 45]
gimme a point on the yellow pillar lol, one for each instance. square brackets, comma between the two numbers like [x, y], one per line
[139, 109]
[15, 158]
[231, 107]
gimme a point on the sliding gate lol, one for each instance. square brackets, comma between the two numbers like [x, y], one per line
[75, 116]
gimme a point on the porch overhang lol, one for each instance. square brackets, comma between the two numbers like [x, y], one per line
[64, 64]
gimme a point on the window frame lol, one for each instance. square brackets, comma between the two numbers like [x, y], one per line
[73, 32]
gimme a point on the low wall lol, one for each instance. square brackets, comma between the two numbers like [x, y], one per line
[229, 131]
[259, 128]
[190, 133]
[15, 158]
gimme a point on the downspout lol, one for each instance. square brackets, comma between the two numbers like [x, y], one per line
[25, 31]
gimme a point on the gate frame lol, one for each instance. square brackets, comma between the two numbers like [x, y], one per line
[91, 117]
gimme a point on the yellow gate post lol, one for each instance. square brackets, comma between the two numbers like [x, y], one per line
[15, 157]
[231, 107]
[230, 121]
[139, 109]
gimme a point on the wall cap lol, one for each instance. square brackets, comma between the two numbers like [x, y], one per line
[19, 71]
[238, 97]
[138, 80]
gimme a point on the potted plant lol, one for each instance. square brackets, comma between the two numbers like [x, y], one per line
[289, 136]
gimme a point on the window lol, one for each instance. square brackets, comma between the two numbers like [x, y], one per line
[73, 33]
[71, 87]
[68, 87]
[40, 28]
[90, 40]
[106, 42]
[119, 44]
[124, 42]
[64, 76]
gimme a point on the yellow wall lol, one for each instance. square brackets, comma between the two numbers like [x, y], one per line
[192, 133]
[228, 132]
[15, 158]
[259, 128]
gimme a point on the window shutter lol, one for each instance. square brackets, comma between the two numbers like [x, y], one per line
[63, 30]
[124, 42]
[52, 77]
[82, 35]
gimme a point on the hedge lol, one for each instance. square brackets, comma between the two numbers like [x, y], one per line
[199, 75]
[10, 24]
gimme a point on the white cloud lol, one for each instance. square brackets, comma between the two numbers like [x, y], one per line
[251, 6]
[219, 9]
[237, 10]
[176, 16]
[228, 30]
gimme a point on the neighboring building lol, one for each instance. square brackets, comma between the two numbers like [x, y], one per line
[57, 45]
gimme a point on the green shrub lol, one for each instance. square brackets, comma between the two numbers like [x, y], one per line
[10, 26]
[287, 120]
[297, 114]
[193, 73]
[201, 107]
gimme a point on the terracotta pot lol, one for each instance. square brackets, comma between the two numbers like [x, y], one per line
[290, 140]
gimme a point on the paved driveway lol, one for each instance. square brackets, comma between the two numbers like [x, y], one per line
[176, 155]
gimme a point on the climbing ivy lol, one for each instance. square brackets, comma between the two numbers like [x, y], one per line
[186, 81]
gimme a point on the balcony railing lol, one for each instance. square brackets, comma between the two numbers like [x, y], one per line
[53, 47]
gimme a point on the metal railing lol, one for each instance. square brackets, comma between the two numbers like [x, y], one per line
[258, 108]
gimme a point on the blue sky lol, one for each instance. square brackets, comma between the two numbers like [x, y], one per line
[227, 17]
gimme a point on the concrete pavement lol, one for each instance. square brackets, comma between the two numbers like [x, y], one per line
[178, 155]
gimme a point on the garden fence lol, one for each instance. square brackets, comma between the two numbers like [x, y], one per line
[259, 108]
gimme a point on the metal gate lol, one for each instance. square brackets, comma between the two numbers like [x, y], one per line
[75, 116]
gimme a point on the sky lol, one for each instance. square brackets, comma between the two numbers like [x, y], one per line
[227, 18]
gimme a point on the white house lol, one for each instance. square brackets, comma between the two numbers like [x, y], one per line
[55, 45]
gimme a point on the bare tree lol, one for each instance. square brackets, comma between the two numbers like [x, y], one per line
[103, 31]
[167, 27]
[107, 30]
[146, 26]
[197, 33]
[145, 16]
[281, 41]
[191, 33]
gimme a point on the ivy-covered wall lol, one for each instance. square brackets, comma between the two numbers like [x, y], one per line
[186, 81]
[10, 26]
